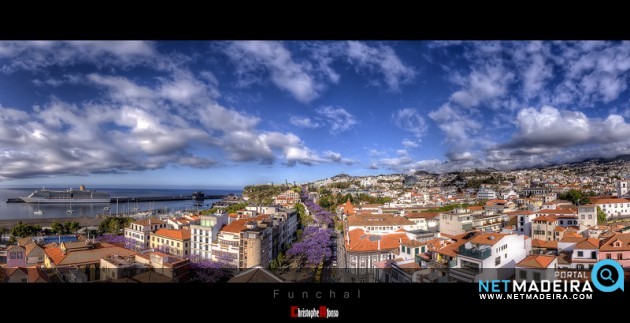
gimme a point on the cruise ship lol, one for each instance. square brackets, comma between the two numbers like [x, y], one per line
[81, 195]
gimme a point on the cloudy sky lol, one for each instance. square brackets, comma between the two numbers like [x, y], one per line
[227, 114]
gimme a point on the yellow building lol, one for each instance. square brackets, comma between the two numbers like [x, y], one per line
[173, 242]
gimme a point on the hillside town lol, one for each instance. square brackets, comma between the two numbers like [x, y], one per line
[422, 228]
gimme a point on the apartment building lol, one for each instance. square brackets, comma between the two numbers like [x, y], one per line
[205, 233]
[140, 230]
[173, 242]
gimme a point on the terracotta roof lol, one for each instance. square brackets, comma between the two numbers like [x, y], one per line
[450, 247]
[536, 261]
[413, 243]
[348, 208]
[24, 241]
[488, 238]
[32, 246]
[361, 242]
[546, 218]
[572, 239]
[182, 234]
[78, 257]
[588, 243]
[492, 202]
[37, 274]
[572, 235]
[148, 221]
[610, 201]
[624, 238]
[544, 244]
[236, 226]
[377, 220]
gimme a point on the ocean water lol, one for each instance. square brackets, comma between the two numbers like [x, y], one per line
[25, 210]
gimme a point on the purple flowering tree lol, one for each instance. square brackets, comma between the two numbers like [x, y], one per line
[208, 271]
[314, 247]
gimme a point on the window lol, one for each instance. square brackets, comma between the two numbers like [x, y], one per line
[619, 256]
[608, 256]
[522, 274]
[497, 261]
[590, 216]
[593, 254]
[580, 254]
[536, 276]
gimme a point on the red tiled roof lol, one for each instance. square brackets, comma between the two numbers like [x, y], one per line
[148, 221]
[361, 242]
[588, 243]
[536, 261]
[610, 201]
[182, 234]
[609, 245]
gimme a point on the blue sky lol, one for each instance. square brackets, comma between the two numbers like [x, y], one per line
[227, 114]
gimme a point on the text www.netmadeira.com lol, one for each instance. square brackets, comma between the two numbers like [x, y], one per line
[545, 296]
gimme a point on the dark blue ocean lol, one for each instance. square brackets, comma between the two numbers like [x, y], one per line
[25, 210]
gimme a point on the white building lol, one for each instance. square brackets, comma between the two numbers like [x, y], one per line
[614, 208]
[622, 188]
[587, 216]
[524, 222]
[205, 233]
[486, 194]
[456, 222]
[140, 230]
[427, 221]
[488, 256]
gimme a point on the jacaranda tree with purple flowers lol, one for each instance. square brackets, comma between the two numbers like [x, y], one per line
[314, 246]
[208, 271]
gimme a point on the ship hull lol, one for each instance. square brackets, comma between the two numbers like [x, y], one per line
[28, 199]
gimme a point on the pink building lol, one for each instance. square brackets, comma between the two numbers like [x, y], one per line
[16, 256]
[617, 248]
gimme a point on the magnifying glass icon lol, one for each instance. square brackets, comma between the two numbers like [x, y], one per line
[606, 274]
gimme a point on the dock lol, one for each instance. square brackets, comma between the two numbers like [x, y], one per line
[125, 199]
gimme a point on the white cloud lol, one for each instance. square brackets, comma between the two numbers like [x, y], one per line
[409, 143]
[482, 84]
[337, 118]
[303, 122]
[382, 59]
[34, 55]
[272, 57]
[410, 120]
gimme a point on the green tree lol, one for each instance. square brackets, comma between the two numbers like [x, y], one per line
[113, 224]
[576, 197]
[25, 230]
[57, 227]
[601, 216]
[71, 227]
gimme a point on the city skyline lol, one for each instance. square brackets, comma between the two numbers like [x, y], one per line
[228, 114]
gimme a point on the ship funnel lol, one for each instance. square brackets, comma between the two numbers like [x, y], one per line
[82, 188]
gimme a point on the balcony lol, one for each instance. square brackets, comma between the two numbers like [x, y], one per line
[475, 253]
